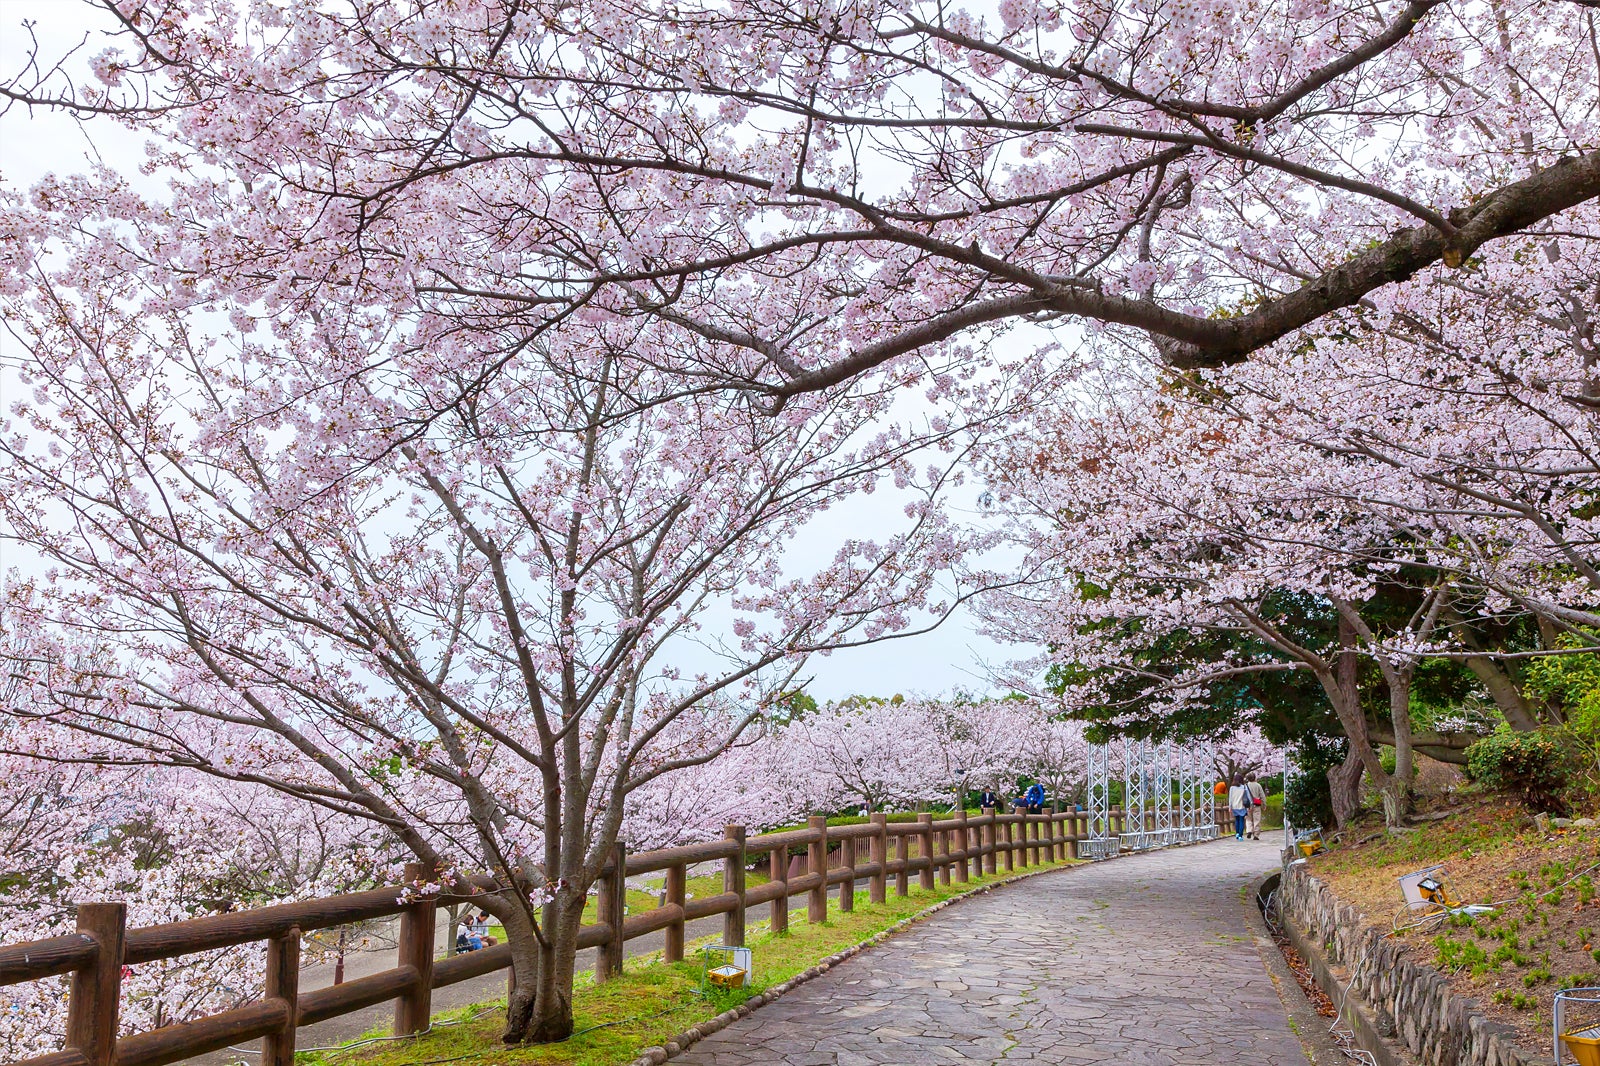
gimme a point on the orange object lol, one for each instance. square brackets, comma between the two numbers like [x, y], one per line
[1584, 1045]
[1220, 788]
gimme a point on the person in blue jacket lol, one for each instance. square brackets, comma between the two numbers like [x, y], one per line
[1033, 799]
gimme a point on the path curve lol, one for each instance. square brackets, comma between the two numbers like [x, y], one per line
[1145, 960]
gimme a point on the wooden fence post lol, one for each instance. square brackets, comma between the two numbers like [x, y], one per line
[1057, 847]
[1022, 834]
[847, 887]
[676, 878]
[902, 853]
[817, 864]
[283, 983]
[975, 844]
[413, 1011]
[925, 845]
[733, 881]
[1010, 849]
[943, 843]
[990, 840]
[610, 909]
[964, 863]
[778, 866]
[97, 987]
[877, 885]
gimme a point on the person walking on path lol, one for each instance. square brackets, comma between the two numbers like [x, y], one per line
[1239, 804]
[1255, 798]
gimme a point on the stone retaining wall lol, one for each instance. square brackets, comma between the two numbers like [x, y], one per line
[1412, 1002]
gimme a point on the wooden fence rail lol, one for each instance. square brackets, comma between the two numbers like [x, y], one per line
[958, 847]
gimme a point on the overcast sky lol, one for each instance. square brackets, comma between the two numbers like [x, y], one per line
[31, 146]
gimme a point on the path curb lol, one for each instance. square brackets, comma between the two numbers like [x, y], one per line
[1311, 1028]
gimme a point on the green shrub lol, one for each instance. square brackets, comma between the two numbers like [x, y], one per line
[1573, 681]
[1308, 800]
[1272, 812]
[1531, 766]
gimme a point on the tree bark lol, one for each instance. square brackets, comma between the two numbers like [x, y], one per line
[1397, 798]
[1344, 785]
[1442, 747]
[527, 957]
[551, 1019]
[1518, 712]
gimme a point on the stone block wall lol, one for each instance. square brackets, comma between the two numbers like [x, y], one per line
[1412, 1001]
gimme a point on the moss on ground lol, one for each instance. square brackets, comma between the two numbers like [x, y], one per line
[653, 1000]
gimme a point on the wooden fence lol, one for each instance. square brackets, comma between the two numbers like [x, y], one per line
[952, 848]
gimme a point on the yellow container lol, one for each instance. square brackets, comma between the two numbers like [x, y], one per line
[1584, 1045]
[1309, 848]
[726, 976]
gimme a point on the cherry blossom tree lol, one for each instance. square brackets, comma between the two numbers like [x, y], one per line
[1053, 751]
[975, 741]
[749, 784]
[1246, 751]
[1204, 182]
[878, 754]
[1405, 482]
[455, 619]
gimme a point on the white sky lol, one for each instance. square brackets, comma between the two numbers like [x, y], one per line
[32, 146]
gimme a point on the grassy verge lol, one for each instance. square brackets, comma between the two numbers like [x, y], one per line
[653, 1001]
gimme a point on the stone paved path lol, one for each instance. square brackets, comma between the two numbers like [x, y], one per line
[1145, 960]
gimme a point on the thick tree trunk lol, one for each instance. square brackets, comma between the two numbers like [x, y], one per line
[526, 962]
[1443, 747]
[1346, 698]
[551, 1020]
[1344, 785]
[550, 1015]
[1397, 799]
[1518, 711]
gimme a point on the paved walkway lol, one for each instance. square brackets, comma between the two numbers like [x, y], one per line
[1146, 960]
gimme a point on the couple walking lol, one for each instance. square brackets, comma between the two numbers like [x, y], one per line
[1245, 799]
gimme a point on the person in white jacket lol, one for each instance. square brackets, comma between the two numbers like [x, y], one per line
[1239, 804]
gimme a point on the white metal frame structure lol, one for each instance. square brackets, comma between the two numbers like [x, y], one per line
[1208, 798]
[1291, 769]
[1166, 797]
[1135, 794]
[1161, 779]
[1102, 842]
[1187, 800]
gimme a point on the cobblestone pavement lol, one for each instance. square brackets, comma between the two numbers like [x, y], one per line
[1145, 960]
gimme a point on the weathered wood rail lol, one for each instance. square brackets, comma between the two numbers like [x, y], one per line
[879, 852]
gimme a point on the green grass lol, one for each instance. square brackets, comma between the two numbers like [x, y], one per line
[653, 1000]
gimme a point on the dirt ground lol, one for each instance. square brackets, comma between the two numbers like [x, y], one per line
[1542, 935]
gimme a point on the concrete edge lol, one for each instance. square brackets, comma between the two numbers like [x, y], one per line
[1313, 1030]
[1354, 1012]
[654, 1056]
